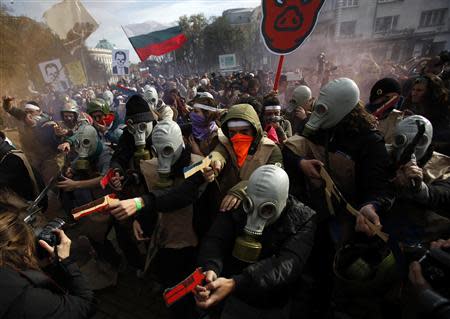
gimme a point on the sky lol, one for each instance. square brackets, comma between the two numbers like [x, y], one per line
[111, 14]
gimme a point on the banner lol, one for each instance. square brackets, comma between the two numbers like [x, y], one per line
[120, 62]
[76, 73]
[53, 74]
[227, 61]
[287, 24]
[71, 21]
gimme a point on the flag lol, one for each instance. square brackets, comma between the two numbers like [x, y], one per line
[71, 21]
[152, 38]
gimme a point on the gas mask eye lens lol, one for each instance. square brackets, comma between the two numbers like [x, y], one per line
[167, 151]
[320, 109]
[400, 140]
[267, 210]
[142, 127]
[247, 204]
[86, 142]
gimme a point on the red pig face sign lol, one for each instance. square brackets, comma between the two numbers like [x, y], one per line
[287, 23]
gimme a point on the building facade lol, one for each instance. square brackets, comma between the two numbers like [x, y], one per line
[394, 30]
[102, 53]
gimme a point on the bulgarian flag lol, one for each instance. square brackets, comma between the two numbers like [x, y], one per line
[152, 38]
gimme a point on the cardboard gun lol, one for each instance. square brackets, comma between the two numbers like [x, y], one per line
[331, 190]
[97, 206]
[172, 295]
[197, 167]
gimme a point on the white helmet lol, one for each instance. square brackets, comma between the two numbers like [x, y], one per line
[336, 99]
[404, 134]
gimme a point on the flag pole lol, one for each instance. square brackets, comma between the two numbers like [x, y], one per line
[83, 62]
[278, 74]
[131, 43]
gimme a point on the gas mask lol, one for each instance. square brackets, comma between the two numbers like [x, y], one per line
[85, 145]
[151, 96]
[300, 96]
[167, 145]
[406, 130]
[336, 99]
[140, 131]
[267, 194]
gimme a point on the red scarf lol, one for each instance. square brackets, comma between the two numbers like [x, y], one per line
[241, 145]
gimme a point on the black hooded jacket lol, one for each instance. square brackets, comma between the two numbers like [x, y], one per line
[31, 294]
[286, 245]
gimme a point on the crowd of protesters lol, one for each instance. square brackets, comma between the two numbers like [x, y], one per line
[273, 234]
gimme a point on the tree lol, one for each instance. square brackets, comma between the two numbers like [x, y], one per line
[190, 56]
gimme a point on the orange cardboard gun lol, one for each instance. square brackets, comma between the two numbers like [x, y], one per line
[172, 295]
[100, 205]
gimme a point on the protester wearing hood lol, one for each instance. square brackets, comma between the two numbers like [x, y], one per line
[135, 143]
[203, 118]
[37, 136]
[276, 127]
[242, 148]
[253, 257]
[105, 122]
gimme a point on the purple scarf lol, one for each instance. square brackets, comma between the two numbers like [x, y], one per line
[200, 129]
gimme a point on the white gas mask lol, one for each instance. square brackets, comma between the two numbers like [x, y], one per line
[267, 194]
[300, 96]
[140, 131]
[168, 144]
[405, 132]
[151, 96]
[336, 99]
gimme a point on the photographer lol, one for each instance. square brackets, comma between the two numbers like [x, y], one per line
[27, 291]
[277, 128]
[430, 303]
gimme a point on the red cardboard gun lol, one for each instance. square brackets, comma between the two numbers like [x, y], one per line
[100, 205]
[172, 295]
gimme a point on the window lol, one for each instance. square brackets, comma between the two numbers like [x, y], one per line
[348, 3]
[347, 29]
[433, 18]
[386, 1]
[386, 24]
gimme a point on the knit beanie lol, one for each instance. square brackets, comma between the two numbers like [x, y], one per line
[138, 110]
[384, 86]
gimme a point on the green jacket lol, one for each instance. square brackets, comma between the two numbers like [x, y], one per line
[233, 179]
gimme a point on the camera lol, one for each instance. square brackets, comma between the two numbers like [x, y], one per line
[435, 264]
[47, 232]
[274, 119]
